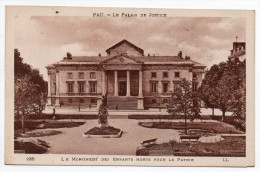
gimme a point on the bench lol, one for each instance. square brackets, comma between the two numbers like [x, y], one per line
[43, 143]
[149, 142]
[189, 137]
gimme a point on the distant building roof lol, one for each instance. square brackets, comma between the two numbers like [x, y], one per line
[152, 60]
[127, 42]
[143, 59]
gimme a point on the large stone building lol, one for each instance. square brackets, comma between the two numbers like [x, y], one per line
[130, 79]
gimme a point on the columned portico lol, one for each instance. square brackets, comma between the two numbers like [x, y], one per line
[128, 83]
[140, 99]
[57, 100]
[116, 83]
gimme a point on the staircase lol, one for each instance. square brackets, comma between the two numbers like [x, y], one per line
[121, 102]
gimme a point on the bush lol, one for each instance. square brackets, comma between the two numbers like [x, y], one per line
[142, 152]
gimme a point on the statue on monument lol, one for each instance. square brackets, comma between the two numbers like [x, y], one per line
[103, 113]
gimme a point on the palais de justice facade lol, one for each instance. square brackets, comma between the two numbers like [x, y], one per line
[130, 79]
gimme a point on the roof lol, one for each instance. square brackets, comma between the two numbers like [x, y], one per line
[127, 42]
[143, 59]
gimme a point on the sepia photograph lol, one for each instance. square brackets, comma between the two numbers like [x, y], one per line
[101, 86]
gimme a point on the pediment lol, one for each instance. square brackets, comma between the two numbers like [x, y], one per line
[121, 59]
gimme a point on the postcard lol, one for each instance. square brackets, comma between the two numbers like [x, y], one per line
[129, 86]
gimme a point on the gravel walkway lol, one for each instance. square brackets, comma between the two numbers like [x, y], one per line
[71, 141]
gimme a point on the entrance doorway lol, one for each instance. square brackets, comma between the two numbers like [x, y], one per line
[122, 88]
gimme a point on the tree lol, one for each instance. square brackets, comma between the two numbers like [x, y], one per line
[184, 101]
[26, 97]
[224, 87]
[29, 87]
[207, 89]
[22, 69]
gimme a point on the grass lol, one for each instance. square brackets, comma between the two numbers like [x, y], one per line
[35, 124]
[38, 133]
[103, 131]
[206, 127]
[232, 146]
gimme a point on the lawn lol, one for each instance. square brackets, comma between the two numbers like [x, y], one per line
[207, 127]
[232, 146]
[31, 128]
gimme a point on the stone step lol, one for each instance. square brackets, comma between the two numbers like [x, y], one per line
[118, 102]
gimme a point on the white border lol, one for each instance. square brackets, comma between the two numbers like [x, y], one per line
[177, 4]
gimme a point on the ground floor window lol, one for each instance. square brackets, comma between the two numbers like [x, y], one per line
[81, 100]
[153, 101]
[93, 101]
[70, 100]
[194, 86]
[154, 87]
[70, 87]
[165, 87]
[92, 87]
[81, 87]
[165, 100]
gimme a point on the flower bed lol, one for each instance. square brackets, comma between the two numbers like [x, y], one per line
[103, 131]
[206, 127]
[233, 146]
[39, 133]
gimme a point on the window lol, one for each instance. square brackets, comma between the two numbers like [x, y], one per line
[70, 100]
[70, 75]
[153, 101]
[165, 74]
[93, 101]
[92, 87]
[165, 100]
[92, 75]
[165, 87]
[81, 75]
[153, 87]
[81, 100]
[81, 87]
[177, 74]
[70, 87]
[194, 76]
[54, 87]
[153, 74]
[194, 86]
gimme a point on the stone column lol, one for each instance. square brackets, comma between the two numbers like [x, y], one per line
[116, 83]
[49, 90]
[140, 84]
[140, 99]
[57, 100]
[103, 82]
[128, 83]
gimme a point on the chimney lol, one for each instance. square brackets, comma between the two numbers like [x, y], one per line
[231, 52]
[180, 54]
[148, 54]
[187, 57]
[99, 55]
[69, 56]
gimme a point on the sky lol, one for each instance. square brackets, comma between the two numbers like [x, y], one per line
[43, 40]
